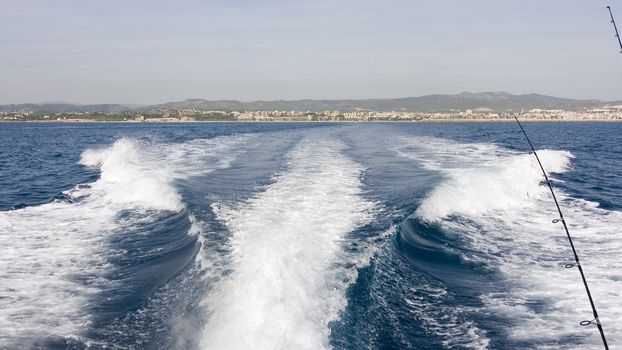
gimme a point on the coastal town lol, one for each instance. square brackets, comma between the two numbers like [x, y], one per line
[606, 113]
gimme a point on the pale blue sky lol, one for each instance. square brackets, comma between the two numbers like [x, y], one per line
[156, 51]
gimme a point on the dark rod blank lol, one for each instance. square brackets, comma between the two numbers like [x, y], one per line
[576, 256]
[615, 27]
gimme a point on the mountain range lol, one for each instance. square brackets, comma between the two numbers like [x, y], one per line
[488, 101]
[64, 108]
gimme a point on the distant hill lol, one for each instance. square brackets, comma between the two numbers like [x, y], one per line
[64, 108]
[494, 101]
[484, 101]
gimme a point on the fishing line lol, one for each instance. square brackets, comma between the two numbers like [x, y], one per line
[577, 263]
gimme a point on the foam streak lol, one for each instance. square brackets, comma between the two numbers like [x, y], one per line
[287, 242]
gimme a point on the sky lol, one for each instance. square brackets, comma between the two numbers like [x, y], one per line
[145, 52]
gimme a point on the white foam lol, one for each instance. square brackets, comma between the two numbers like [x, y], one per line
[289, 276]
[45, 249]
[495, 200]
[447, 322]
[506, 184]
[130, 177]
[53, 257]
[142, 174]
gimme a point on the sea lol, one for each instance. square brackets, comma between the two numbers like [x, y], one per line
[308, 235]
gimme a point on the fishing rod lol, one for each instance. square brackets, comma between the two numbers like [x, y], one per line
[577, 263]
[615, 27]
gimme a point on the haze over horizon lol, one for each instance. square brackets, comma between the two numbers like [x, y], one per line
[149, 52]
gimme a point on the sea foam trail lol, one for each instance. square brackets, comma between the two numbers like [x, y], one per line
[494, 199]
[53, 256]
[287, 245]
[50, 269]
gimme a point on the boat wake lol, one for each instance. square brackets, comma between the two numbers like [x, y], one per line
[59, 257]
[492, 200]
[291, 265]
[287, 239]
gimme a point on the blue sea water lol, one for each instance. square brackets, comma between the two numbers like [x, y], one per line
[307, 236]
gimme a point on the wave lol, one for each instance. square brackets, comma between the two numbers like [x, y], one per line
[440, 255]
[430, 249]
[129, 177]
[60, 256]
[143, 174]
[290, 264]
[495, 201]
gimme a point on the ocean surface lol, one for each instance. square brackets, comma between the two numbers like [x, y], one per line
[307, 236]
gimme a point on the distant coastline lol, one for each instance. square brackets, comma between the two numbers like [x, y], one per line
[609, 114]
[476, 107]
[452, 120]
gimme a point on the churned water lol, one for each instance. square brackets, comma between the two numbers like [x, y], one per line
[307, 236]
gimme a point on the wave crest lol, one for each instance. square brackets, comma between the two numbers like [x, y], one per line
[506, 184]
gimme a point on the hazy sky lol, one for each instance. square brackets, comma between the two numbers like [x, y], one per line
[153, 51]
